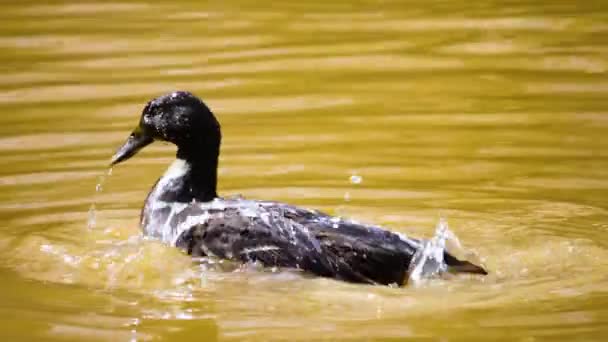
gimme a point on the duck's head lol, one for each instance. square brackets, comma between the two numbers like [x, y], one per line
[180, 118]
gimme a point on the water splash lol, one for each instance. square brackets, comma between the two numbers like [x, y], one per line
[355, 178]
[92, 215]
[428, 261]
[347, 196]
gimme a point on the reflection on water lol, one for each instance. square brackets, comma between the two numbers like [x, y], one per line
[397, 113]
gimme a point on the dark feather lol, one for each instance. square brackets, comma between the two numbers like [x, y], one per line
[309, 240]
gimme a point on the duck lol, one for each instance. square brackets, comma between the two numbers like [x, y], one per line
[183, 209]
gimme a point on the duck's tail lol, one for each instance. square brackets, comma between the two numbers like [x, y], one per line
[462, 266]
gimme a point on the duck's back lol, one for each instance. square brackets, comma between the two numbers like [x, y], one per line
[276, 234]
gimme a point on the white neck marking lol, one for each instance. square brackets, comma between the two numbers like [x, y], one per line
[177, 169]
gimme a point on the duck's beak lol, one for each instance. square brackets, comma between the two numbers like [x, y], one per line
[136, 141]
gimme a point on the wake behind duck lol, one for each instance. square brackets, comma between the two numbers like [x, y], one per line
[184, 210]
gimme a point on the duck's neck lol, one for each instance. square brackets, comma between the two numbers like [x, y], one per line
[190, 178]
[200, 182]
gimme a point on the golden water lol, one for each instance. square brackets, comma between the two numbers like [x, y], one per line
[493, 115]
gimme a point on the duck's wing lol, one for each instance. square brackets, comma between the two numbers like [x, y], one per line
[286, 236]
[371, 252]
[268, 237]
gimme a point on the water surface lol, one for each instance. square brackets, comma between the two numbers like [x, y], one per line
[493, 115]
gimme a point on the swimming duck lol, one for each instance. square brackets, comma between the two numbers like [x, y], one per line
[183, 209]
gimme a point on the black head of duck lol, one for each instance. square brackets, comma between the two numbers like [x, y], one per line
[184, 120]
[184, 210]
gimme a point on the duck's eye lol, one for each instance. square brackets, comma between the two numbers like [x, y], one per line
[147, 119]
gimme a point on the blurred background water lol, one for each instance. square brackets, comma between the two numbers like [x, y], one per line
[492, 114]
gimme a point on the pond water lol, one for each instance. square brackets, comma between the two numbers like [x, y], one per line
[492, 115]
